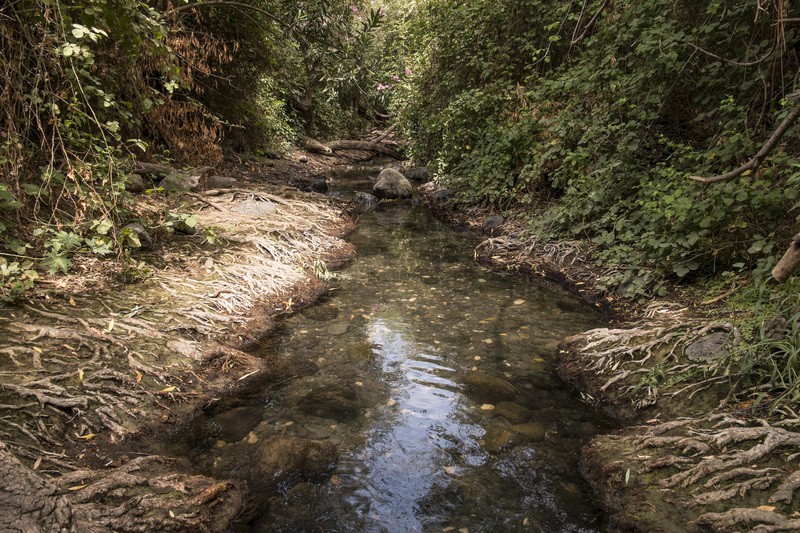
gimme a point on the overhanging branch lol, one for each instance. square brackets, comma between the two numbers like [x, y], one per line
[230, 3]
[762, 154]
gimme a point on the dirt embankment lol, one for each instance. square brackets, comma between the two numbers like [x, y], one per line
[89, 376]
[690, 457]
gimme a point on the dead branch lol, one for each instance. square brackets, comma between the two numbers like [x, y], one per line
[365, 146]
[789, 262]
[765, 150]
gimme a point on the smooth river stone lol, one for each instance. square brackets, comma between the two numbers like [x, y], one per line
[488, 389]
[340, 328]
[532, 431]
[513, 412]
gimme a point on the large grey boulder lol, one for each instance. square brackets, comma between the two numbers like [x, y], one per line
[417, 174]
[392, 185]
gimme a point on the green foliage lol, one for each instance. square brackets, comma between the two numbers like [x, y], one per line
[598, 134]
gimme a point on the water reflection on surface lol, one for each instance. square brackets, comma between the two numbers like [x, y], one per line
[435, 381]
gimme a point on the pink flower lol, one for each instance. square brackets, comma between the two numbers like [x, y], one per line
[354, 9]
[395, 78]
[382, 87]
[408, 71]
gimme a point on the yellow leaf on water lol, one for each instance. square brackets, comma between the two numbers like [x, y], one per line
[88, 436]
[765, 508]
[169, 389]
[77, 487]
[80, 374]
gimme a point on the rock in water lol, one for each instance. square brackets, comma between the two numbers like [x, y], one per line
[365, 201]
[287, 460]
[488, 389]
[337, 402]
[392, 185]
[514, 413]
[492, 225]
[442, 197]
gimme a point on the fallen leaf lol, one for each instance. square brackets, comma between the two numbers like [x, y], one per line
[80, 374]
[88, 436]
[627, 476]
[72, 302]
[110, 327]
[37, 463]
[765, 508]
[519, 302]
[169, 389]
[37, 349]
[77, 487]
[138, 376]
[70, 348]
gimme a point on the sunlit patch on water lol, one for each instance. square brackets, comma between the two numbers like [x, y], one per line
[434, 382]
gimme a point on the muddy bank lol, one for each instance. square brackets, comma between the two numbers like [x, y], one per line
[692, 458]
[89, 376]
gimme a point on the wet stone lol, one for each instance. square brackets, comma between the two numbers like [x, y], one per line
[513, 412]
[321, 312]
[339, 328]
[488, 389]
[289, 460]
[531, 432]
[235, 424]
[497, 439]
[337, 402]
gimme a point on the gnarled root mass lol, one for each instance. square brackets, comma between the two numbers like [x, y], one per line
[79, 373]
[723, 472]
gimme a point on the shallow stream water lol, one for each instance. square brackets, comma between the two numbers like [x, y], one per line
[423, 397]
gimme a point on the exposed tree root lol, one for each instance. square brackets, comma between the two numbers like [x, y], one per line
[94, 369]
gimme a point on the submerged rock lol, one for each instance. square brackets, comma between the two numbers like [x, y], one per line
[488, 389]
[497, 439]
[513, 412]
[337, 402]
[442, 197]
[531, 432]
[364, 201]
[320, 184]
[392, 185]
[287, 460]
[234, 425]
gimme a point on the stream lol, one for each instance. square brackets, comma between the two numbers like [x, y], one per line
[423, 397]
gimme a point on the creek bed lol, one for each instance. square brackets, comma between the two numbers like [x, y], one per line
[423, 396]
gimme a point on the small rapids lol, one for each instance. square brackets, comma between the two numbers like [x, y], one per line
[423, 397]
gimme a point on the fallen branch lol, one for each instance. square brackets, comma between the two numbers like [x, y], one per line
[365, 146]
[789, 262]
[756, 161]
